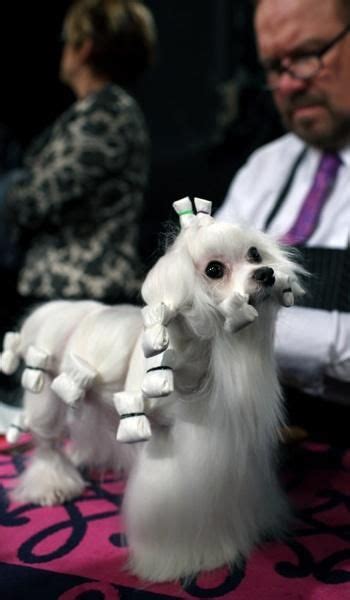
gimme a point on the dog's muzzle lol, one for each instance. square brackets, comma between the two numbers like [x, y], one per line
[265, 276]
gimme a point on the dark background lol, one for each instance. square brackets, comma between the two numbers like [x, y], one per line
[203, 99]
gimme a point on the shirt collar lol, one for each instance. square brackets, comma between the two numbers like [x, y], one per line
[344, 155]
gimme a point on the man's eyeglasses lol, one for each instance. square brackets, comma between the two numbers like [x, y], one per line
[305, 66]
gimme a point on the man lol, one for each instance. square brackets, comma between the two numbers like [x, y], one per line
[304, 48]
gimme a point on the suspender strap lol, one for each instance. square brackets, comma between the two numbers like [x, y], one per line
[284, 191]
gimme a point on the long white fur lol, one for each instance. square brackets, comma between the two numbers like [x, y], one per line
[203, 490]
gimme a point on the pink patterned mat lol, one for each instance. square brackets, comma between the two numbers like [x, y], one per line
[78, 551]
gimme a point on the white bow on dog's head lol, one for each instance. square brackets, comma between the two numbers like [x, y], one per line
[187, 217]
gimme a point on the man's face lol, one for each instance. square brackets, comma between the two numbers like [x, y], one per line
[317, 110]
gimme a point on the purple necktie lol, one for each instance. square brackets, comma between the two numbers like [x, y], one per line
[310, 211]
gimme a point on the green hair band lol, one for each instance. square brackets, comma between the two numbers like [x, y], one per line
[185, 212]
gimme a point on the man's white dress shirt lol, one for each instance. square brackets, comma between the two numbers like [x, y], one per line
[311, 345]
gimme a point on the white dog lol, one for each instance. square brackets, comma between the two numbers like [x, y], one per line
[195, 377]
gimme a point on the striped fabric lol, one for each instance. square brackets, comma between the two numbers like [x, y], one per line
[328, 286]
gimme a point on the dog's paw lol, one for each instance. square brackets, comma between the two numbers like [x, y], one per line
[49, 480]
[238, 312]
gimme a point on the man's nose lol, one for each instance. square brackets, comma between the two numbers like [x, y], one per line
[264, 275]
[288, 84]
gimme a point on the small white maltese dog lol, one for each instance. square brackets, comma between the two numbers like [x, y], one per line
[191, 377]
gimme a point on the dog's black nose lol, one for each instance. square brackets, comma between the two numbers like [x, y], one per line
[265, 276]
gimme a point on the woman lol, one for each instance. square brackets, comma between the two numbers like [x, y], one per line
[75, 205]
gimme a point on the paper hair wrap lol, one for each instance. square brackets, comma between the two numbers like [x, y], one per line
[159, 378]
[284, 290]
[134, 426]
[37, 364]
[73, 382]
[156, 337]
[184, 209]
[10, 357]
[17, 427]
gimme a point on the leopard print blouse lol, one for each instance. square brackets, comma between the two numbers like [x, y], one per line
[77, 204]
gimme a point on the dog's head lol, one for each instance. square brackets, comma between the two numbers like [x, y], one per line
[221, 268]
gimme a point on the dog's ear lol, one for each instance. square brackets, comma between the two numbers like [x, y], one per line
[172, 279]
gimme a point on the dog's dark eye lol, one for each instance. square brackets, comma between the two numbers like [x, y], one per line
[253, 255]
[215, 270]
